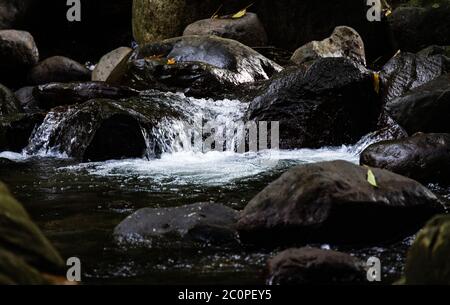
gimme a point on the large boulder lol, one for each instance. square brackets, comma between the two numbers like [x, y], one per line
[425, 108]
[415, 27]
[112, 66]
[57, 94]
[102, 129]
[26, 256]
[8, 102]
[16, 130]
[58, 69]
[337, 202]
[200, 223]
[333, 102]
[427, 262]
[18, 53]
[155, 20]
[343, 42]
[423, 157]
[314, 266]
[247, 29]
[198, 65]
[407, 71]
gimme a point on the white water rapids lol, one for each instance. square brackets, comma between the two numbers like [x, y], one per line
[184, 162]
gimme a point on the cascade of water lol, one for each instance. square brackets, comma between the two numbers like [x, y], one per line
[200, 118]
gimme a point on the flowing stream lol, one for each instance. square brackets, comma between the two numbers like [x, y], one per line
[77, 205]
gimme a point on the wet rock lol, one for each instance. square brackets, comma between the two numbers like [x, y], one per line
[314, 266]
[247, 30]
[343, 42]
[155, 20]
[112, 66]
[331, 103]
[198, 65]
[423, 157]
[58, 69]
[334, 202]
[18, 52]
[417, 27]
[407, 71]
[57, 94]
[387, 129]
[8, 102]
[27, 101]
[25, 254]
[15, 130]
[425, 108]
[202, 223]
[427, 262]
[102, 129]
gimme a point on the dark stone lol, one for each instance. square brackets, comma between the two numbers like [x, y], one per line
[8, 102]
[314, 266]
[16, 130]
[18, 53]
[25, 254]
[334, 202]
[102, 129]
[407, 71]
[333, 102]
[427, 262]
[202, 66]
[247, 30]
[27, 101]
[414, 28]
[58, 69]
[57, 94]
[200, 223]
[423, 157]
[425, 108]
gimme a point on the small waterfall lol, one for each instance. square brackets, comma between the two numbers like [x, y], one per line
[40, 140]
[169, 135]
[220, 120]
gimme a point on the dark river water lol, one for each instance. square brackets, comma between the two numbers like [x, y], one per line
[78, 205]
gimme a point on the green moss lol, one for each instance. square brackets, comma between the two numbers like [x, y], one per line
[428, 259]
[25, 253]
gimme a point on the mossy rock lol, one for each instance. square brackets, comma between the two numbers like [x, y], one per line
[25, 253]
[428, 259]
[155, 20]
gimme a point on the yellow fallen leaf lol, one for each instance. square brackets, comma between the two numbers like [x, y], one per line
[376, 82]
[371, 178]
[171, 61]
[239, 14]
